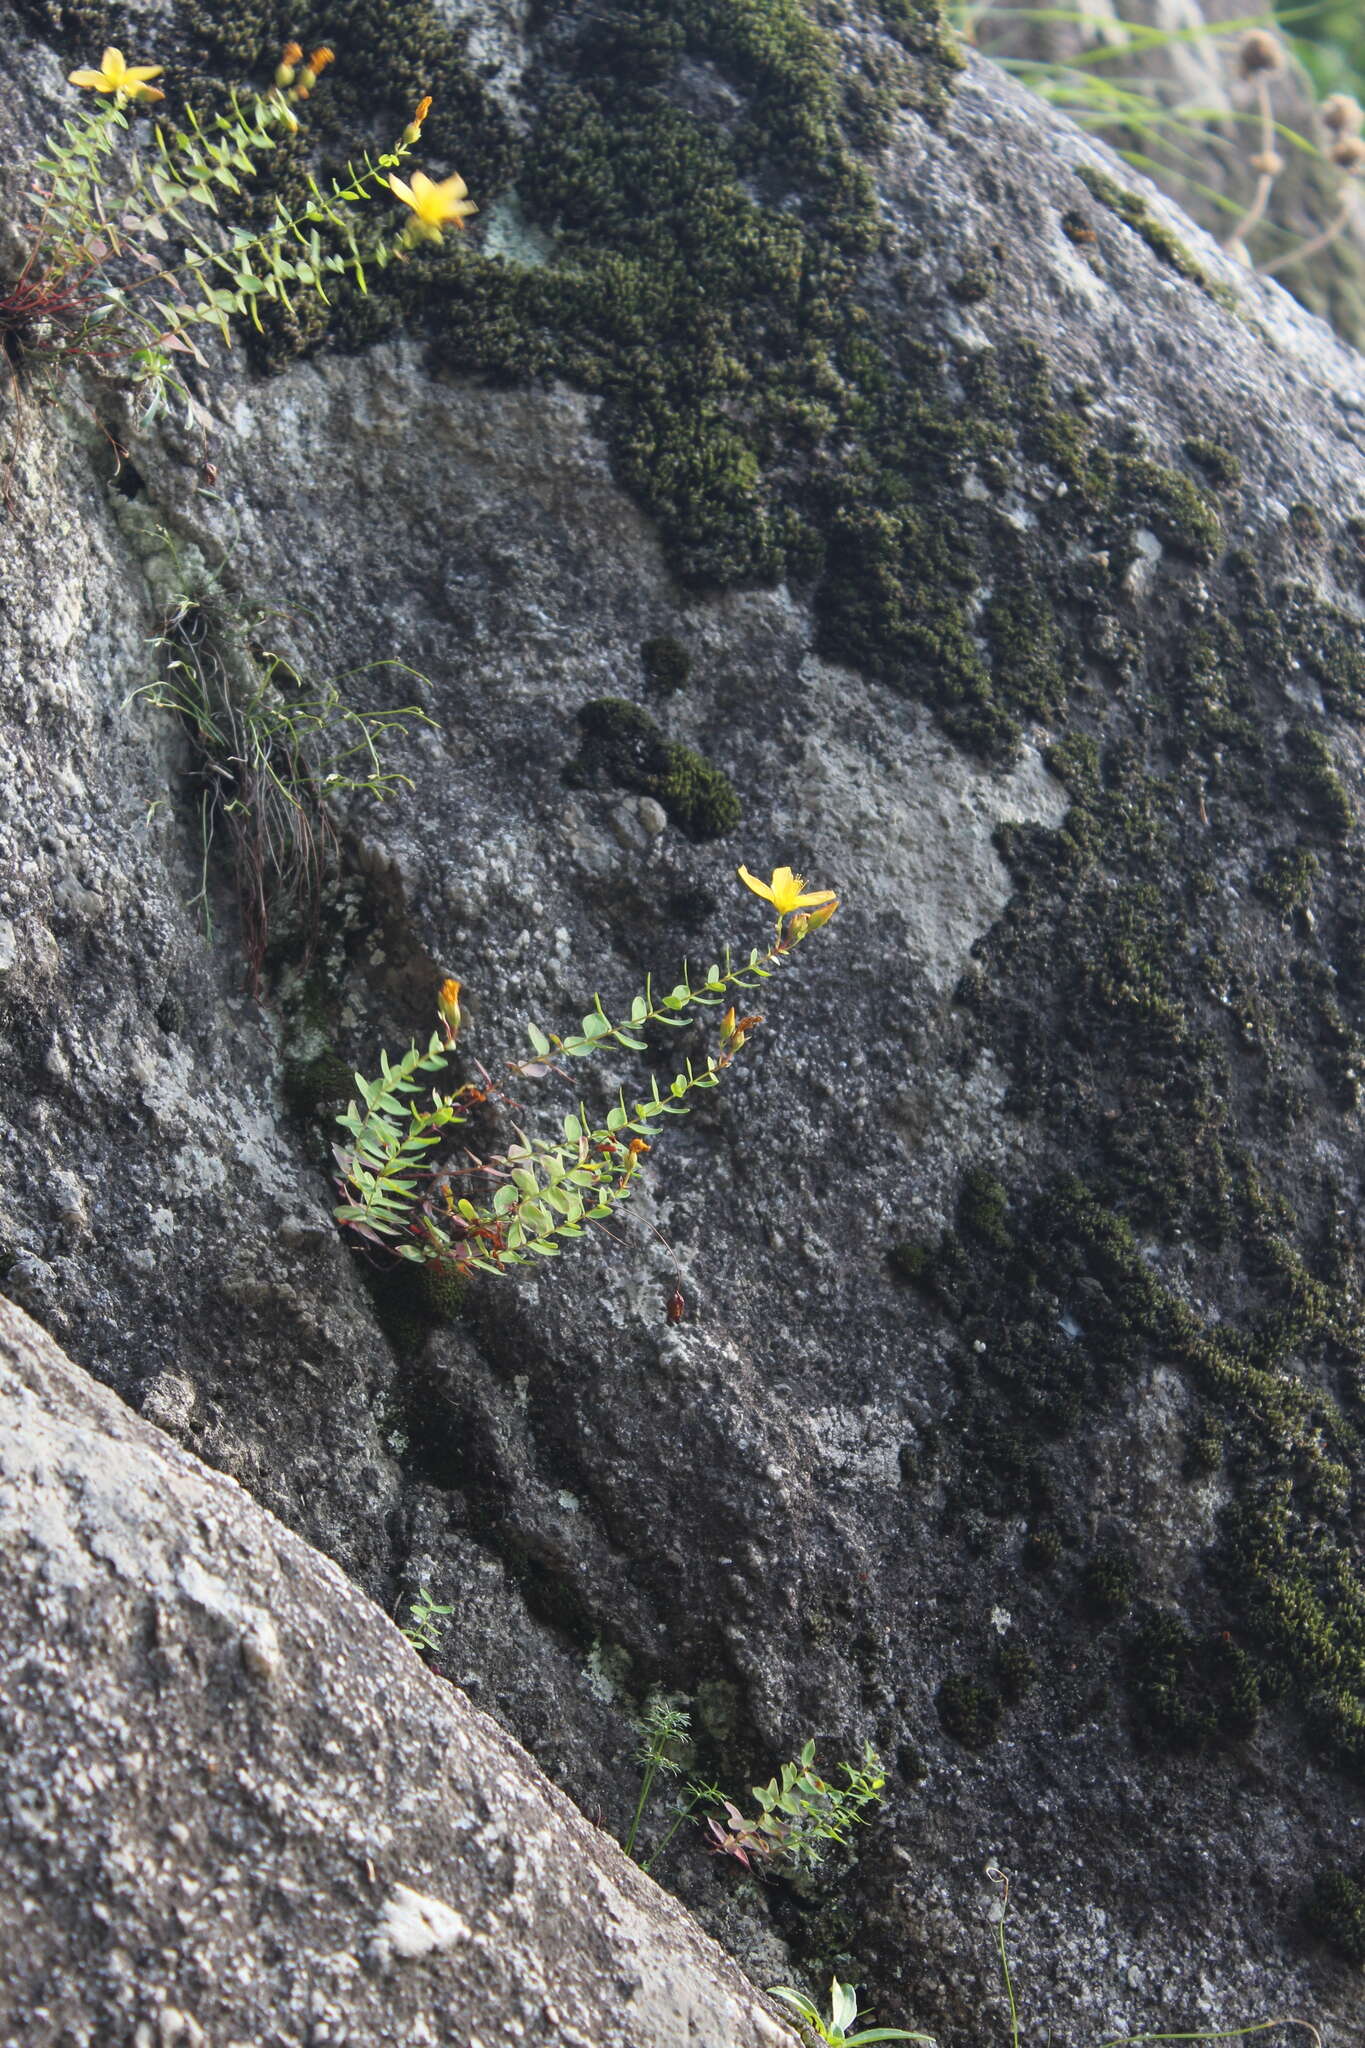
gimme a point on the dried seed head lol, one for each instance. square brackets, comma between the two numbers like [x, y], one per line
[1259, 51]
[1341, 115]
[1349, 153]
[1268, 164]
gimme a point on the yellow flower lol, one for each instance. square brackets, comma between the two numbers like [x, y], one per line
[433, 205]
[786, 891]
[126, 81]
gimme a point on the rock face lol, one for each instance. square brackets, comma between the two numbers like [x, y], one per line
[235, 1808]
[1000, 546]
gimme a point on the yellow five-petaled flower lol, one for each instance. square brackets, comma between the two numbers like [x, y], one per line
[786, 891]
[433, 206]
[125, 81]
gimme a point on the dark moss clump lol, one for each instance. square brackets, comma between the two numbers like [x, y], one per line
[1192, 1691]
[623, 746]
[318, 1088]
[1108, 1584]
[1312, 773]
[1218, 463]
[911, 1262]
[1176, 510]
[969, 1711]
[1287, 878]
[666, 663]
[982, 1207]
[974, 282]
[1336, 1911]
[1206, 1447]
[1043, 1548]
[411, 1300]
[1017, 1673]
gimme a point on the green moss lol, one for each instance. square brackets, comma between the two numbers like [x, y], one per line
[969, 1711]
[666, 663]
[1206, 1447]
[1017, 1672]
[1192, 1691]
[622, 745]
[1176, 510]
[1108, 1583]
[1287, 878]
[1336, 1911]
[1135, 213]
[439, 1291]
[1218, 463]
[982, 1206]
[973, 283]
[1311, 774]
[319, 1086]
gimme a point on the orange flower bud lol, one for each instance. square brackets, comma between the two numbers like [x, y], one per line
[423, 109]
[320, 59]
[448, 1003]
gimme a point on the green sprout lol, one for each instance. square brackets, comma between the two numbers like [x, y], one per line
[843, 2011]
[420, 1627]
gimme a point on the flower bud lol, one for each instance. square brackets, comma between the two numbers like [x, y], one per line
[448, 1004]
[1349, 152]
[1268, 164]
[412, 133]
[291, 56]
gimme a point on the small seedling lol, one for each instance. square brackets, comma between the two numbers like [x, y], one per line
[422, 1627]
[843, 2011]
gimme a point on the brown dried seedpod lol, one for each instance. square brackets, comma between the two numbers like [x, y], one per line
[1259, 51]
[1341, 115]
[1349, 152]
[1268, 164]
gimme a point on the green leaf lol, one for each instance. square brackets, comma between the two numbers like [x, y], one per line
[539, 1041]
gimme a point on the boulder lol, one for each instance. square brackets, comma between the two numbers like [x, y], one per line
[956, 509]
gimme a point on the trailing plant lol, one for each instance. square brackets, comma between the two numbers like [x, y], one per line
[272, 752]
[541, 1194]
[135, 252]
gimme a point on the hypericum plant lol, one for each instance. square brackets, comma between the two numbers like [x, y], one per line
[544, 1194]
[131, 255]
[800, 1814]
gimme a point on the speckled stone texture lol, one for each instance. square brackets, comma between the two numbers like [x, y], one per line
[234, 1808]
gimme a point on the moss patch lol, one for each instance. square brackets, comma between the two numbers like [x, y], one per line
[623, 746]
[1135, 213]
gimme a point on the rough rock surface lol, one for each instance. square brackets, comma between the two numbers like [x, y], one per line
[1012, 1424]
[235, 1808]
